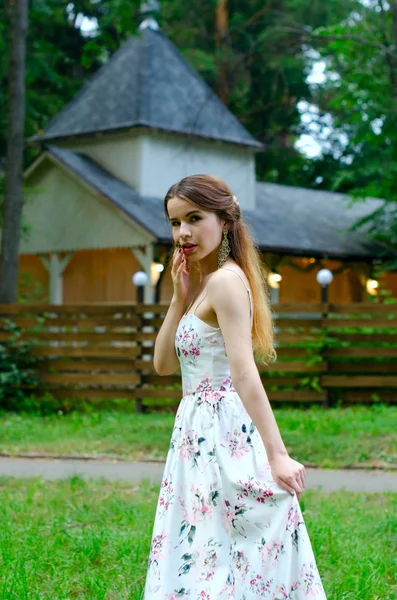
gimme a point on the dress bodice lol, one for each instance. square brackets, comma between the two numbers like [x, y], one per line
[202, 354]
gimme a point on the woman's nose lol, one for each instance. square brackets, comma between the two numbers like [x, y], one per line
[184, 230]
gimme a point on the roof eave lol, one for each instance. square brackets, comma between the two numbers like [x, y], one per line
[45, 139]
[331, 254]
[343, 256]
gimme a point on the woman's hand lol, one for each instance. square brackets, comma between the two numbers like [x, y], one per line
[180, 275]
[289, 474]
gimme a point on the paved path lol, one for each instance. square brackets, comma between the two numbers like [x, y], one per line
[352, 480]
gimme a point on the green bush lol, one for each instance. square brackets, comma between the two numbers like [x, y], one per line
[17, 370]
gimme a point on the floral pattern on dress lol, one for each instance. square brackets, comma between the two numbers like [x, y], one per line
[213, 400]
[176, 433]
[204, 562]
[271, 550]
[311, 582]
[166, 494]
[227, 385]
[256, 490]
[239, 442]
[199, 508]
[189, 447]
[234, 514]
[181, 593]
[189, 343]
[241, 565]
[158, 551]
[204, 385]
[293, 523]
[224, 529]
[260, 586]
[210, 560]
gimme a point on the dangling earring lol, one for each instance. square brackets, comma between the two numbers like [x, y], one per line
[224, 250]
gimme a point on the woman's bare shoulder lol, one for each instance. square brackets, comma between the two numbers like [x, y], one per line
[227, 296]
[223, 283]
[225, 274]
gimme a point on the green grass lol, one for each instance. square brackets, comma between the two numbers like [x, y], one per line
[336, 437]
[89, 540]
[73, 540]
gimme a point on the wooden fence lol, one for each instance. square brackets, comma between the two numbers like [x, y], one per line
[329, 353]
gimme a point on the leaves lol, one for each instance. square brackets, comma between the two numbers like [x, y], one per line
[364, 111]
[17, 372]
[260, 63]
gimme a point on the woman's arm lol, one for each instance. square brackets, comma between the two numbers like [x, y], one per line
[228, 298]
[165, 360]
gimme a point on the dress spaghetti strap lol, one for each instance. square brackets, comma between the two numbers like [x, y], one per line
[198, 303]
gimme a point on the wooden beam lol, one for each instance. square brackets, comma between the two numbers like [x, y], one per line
[56, 266]
[146, 258]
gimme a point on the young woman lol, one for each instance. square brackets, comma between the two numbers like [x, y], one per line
[228, 523]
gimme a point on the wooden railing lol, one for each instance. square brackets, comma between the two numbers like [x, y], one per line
[325, 353]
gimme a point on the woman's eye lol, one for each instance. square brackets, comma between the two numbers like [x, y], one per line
[176, 223]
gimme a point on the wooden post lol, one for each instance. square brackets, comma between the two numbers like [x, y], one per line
[146, 259]
[56, 267]
[325, 331]
[138, 399]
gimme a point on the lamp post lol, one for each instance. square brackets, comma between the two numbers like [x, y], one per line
[140, 279]
[274, 280]
[324, 278]
[156, 270]
[372, 286]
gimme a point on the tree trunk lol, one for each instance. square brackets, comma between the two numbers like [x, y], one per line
[222, 19]
[13, 195]
[222, 26]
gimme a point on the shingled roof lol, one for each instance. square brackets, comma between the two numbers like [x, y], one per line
[289, 220]
[147, 83]
[300, 221]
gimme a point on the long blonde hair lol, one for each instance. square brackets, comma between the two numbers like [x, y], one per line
[212, 194]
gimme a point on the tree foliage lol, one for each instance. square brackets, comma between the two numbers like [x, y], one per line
[18, 375]
[262, 65]
[258, 66]
[54, 70]
[360, 92]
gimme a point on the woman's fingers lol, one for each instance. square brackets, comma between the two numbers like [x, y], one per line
[289, 474]
[183, 262]
[180, 267]
[292, 486]
[302, 478]
[177, 261]
[177, 255]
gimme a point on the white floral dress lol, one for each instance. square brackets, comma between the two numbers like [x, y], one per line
[224, 529]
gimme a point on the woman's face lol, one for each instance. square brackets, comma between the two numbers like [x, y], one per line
[195, 227]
